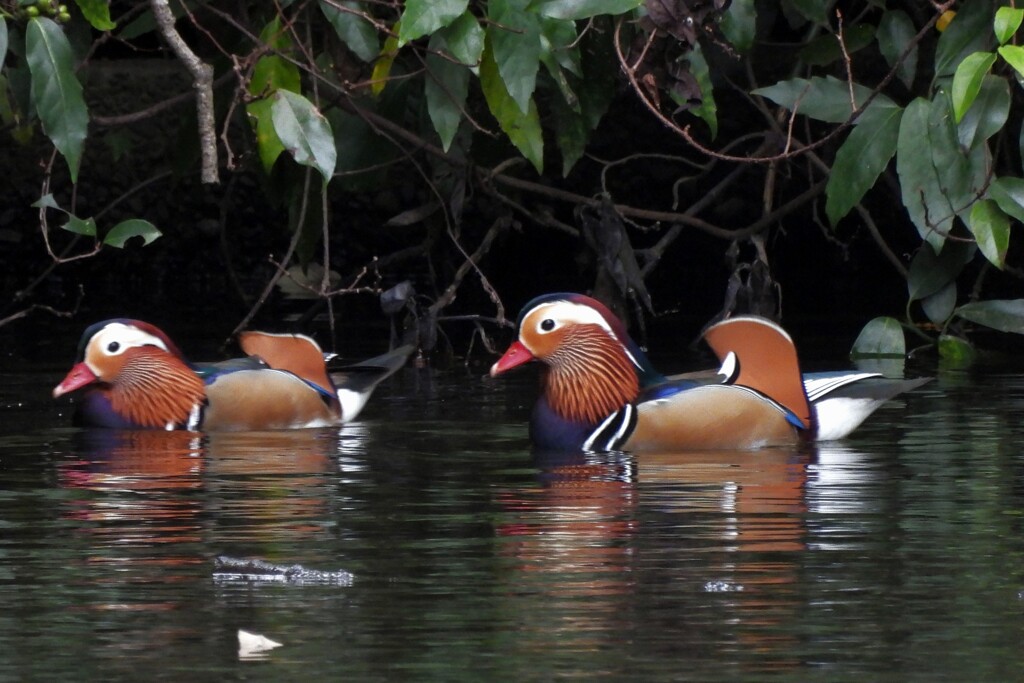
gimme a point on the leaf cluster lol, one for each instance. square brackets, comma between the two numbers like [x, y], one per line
[865, 118]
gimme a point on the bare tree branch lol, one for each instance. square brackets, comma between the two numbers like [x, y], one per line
[202, 80]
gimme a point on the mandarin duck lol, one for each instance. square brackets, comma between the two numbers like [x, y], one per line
[601, 393]
[130, 375]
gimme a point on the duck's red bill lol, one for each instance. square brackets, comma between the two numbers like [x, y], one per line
[78, 377]
[516, 355]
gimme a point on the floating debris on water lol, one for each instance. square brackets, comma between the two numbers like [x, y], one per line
[232, 569]
[254, 645]
[722, 587]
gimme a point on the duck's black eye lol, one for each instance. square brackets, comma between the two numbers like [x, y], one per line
[547, 324]
[112, 347]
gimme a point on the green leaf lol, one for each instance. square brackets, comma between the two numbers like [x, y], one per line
[825, 49]
[273, 73]
[80, 226]
[514, 37]
[937, 178]
[1014, 56]
[814, 10]
[19, 84]
[880, 338]
[560, 44]
[267, 142]
[522, 128]
[465, 39]
[9, 116]
[896, 31]
[596, 89]
[707, 109]
[582, 9]
[987, 115]
[956, 352]
[446, 86]
[423, 17]
[1005, 315]
[56, 92]
[919, 178]
[967, 80]
[861, 159]
[991, 228]
[1007, 22]
[305, 132]
[353, 28]
[560, 56]
[1008, 193]
[275, 35]
[970, 31]
[739, 24]
[382, 67]
[571, 133]
[126, 230]
[824, 99]
[3, 39]
[47, 202]
[930, 272]
[939, 306]
[97, 13]
[599, 84]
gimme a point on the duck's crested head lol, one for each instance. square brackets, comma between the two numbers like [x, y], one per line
[547, 323]
[107, 346]
[593, 365]
[127, 331]
[139, 374]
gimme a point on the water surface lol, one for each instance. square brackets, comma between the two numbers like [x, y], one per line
[894, 555]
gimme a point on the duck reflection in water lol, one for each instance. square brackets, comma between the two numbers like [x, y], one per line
[152, 500]
[263, 483]
[142, 476]
[726, 527]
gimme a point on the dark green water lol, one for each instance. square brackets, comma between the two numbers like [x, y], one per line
[896, 555]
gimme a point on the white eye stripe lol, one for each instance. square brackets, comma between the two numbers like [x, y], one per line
[116, 338]
[562, 312]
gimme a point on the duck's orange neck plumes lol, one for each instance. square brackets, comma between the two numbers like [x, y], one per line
[589, 376]
[156, 389]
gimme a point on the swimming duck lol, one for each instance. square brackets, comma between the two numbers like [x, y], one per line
[599, 391]
[130, 375]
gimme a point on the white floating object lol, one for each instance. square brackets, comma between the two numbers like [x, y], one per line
[252, 645]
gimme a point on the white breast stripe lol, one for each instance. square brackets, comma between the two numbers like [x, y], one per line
[621, 421]
[194, 417]
[588, 445]
[626, 428]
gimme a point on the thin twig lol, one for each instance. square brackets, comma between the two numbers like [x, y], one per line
[287, 257]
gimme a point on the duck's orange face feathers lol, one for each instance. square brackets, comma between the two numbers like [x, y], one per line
[147, 380]
[589, 371]
[156, 389]
[102, 355]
